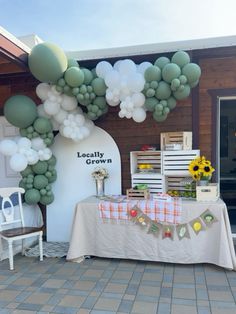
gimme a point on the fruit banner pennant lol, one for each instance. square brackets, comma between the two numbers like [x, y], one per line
[182, 231]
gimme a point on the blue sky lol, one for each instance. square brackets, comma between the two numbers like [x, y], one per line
[95, 24]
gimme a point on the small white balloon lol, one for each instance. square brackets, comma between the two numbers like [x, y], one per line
[37, 143]
[112, 79]
[68, 103]
[139, 115]
[79, 119]
[42, 91]
[51, 108]
[55, 125]
[32, 157]
[103, 68]
[18, 162]
[8, 147]
[127, 67]
[142, 67]
[138, 99]
[41, 111]
[60, 116]
[24, 142]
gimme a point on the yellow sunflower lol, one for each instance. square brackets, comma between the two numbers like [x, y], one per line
[206, 170]
[194, 168]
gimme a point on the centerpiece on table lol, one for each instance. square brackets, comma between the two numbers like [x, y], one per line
[201, 170]
[100, 174]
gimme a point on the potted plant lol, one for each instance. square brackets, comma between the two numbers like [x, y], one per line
[201, 170]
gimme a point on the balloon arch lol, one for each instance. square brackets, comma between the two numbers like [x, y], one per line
[73, 97]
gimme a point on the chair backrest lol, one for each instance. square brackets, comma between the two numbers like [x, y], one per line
[8, 210]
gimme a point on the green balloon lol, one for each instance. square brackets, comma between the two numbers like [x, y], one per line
[181, 58]
[183, 79]
[159, 107]
[52, 178]
[92, 115]
[32, 196]
[42, 125]
[59, 89]
[170, 72]
[23, 132]
[182, 94]
[22, 184]
[152, 73]
[40, 181]
[175, 84]
[47, 199]
[47, 62]
[88, 76]
[150, 103]
[52, 161]
[74, 77]
[100, 102]
[26, 172]
[171, 103]
[72, 63]
[20, 111]
[166, 110]
[163, 90]
[193, 84]
[161, 62]
[99, 86]
[159, 118]
[94, 73]
[61, 82]
[75, 91]
[43, 191]
[40, 167]
[150, 92]
[192, 71]
[154, 84]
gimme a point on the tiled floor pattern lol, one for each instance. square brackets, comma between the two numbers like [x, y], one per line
[107, 286]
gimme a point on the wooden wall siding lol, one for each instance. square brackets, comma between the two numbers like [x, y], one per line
[217, 73]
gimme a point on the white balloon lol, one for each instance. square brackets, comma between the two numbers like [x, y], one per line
[138, 99]
[37, 143]
[60, 116]
[136, 82]
[54, 91]
[24, 142]
[67, 130]
[142, 67]
[41, 111]
[121, 114]
[55, 125]
[116, 65]
[71, 117]
[32, 157]
[79, 119]
[68, 103]
[51, 108]
[112, 79]
[103, 68]
[42, 91]
[127, 67]
[128, 115]
[139, 115]
[112, 103]
[8, 147]
[47, 153]
[18, 162]
[84, 131]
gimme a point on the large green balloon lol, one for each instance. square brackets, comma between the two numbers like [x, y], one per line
[161, 62]
[40, 181]
[32, 196]
[150, 103]
[192, 71]
[88, 76]
[183, 93]
[170, 72]
[181, 58]
[74, 77]
[42, 125]
[40, 167]
[47, 62]
[47, 199]
[163, 90]
[20, 111]
[152, 73]
[99, 86]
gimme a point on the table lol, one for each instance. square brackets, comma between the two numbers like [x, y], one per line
[90, 236]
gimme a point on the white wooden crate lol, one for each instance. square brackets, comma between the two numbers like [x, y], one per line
[176, 163]
[182, 138]
[155, 182]
[178, 184]
[153, 158]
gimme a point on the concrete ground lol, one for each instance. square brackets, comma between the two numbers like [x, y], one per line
[107, 286]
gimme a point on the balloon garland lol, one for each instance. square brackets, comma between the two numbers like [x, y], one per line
[73, 97]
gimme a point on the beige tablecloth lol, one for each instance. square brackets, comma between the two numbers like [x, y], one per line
[90, 236]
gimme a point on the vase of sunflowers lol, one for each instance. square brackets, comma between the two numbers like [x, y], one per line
[201, 170]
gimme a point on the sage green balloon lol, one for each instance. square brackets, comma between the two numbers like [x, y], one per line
[42, 125]
[22, 184]
[182, 94]
[183, 79]
[150, 103]
[23, 132]
[150, 92]
[47, 62]
[161, 62]
[40, 167]
[170, 72]
[193, 84]
[74, 76]
[152, 73]
[159, 118]
[26, 172]
[75, 91]
[61, 82]
[99, 86]
[192, 71]
[40, 181]
[175, 84]
[100, 102]
[20, 111]
[171, 103]
[47, 199]
[163, 90]
[72, 63]
[181, 58]
[88, 76]
[154, 84]
[52, 178]
[52, 161]
[32, 196]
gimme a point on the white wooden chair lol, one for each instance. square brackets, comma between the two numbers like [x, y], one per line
[12, 228]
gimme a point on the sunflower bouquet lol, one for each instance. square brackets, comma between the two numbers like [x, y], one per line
[201, 169]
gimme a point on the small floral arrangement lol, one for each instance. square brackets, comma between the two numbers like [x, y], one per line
[201, 169]
[100, 173]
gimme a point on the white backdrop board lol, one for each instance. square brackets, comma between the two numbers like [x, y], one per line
[75, 163]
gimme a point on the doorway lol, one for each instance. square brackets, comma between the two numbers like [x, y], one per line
[227, 153]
